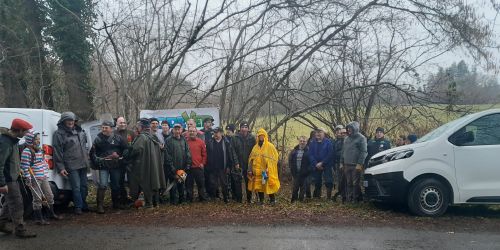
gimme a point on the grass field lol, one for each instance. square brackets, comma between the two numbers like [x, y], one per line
[402, 120]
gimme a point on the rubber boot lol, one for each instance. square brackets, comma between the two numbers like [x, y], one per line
[100, 200]
[328, 193]
[261, 198]
[39, 219]
[4, 228]
[52, 214]
[115, 199]
[22, 233]
[272, 199]
[249, 197]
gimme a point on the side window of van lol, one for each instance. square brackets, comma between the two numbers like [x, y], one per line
[483, 131]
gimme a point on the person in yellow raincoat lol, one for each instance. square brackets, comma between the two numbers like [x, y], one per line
[263, 168]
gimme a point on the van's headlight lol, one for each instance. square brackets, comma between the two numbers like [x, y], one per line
[397, 155]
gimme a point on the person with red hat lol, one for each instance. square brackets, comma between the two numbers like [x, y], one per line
[10, 167]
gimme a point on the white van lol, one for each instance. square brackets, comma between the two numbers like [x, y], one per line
[457, 163]
[44, 122]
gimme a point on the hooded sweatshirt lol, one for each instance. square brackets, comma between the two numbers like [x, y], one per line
[32, 157]
[354, 149]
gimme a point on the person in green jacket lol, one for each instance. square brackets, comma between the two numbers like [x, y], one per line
[10, 167]
[177, 157]
[146, 170]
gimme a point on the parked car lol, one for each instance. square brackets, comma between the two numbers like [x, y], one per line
[45, 122]
[456, 163]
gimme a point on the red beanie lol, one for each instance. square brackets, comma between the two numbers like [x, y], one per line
[21, 124]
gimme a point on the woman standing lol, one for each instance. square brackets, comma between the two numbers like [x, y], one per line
[263, 168]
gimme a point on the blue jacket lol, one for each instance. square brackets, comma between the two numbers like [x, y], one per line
[321, 152]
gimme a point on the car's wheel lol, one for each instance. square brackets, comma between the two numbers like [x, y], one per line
[428, 197]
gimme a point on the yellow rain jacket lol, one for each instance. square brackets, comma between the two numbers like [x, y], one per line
[264, 158]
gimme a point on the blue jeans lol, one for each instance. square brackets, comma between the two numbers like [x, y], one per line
[319, 176]
[112, 176]
[78, 181]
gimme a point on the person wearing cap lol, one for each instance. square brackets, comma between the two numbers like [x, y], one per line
[196, 173]
[321, 155]
[146, 170]
[263, 169]
[10, 167]
[412, 138]
[340, 134]
[36, 174]
[222, 161]
[207, 128]
[177, 157]
[378, 144]
[243, 142]
[71, 159]
[352, 160]
[107, 155]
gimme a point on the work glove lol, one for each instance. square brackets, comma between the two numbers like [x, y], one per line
[341, 166]
[359, 167]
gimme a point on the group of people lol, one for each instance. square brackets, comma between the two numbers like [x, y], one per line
[337, 162]
[156, 159]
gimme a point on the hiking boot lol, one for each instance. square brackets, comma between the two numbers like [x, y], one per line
[5, 229]
[22, 233]
[39, 219]
[52, 214]
[78, 211]
[100, 200]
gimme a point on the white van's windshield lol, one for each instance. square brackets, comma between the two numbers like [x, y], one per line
[440, 130]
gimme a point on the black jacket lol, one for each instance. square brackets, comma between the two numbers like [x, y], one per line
[243, 147]
[104, 146]
[231, 159]
[10, 164]
[305, 168]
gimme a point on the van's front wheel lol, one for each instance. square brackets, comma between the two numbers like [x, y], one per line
[428, 197]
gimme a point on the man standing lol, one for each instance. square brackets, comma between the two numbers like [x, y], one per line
[10, 166]
[243, 143]
[321, 155]
[207, 129]
[196, 173]
[221, 161]
[165, 131]
[300, 169]
[71, 158]
[127, 136]
[191, 123]
[338, 144]
[263, 169]
[378, 144]
[177, 157]
[146, 170]
[353, 156]
[236, 176]
[106, 155]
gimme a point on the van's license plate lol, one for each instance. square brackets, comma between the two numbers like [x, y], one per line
[365, 183]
